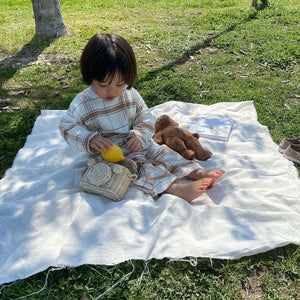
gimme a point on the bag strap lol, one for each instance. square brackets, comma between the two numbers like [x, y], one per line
[153, 162]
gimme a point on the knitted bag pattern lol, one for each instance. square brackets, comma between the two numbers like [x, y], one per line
[107, 179]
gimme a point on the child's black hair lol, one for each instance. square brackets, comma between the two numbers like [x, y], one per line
[106, 54]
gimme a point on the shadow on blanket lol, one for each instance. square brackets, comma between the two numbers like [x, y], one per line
[47, 220]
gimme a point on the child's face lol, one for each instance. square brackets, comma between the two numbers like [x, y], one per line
[109, 89]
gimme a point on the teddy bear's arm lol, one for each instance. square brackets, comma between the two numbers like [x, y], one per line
[158, 138]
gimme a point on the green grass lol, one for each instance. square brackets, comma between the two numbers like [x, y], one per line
[194, 51]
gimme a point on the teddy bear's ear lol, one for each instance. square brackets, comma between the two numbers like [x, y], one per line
[158, 138]
[171, 122]
[157, 127]
[159, 124]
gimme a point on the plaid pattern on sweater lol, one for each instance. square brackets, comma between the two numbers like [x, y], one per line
[117, 120]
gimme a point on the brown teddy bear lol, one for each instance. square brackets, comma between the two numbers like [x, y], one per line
[184, 142]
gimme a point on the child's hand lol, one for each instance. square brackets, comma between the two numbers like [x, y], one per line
[100, 143]
[134, 144]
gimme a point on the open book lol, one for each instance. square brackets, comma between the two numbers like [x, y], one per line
[210, 127]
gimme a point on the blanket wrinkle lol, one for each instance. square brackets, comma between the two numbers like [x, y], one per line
[47, 220]
[68, 227]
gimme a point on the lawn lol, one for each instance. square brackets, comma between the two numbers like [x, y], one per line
[203, 51]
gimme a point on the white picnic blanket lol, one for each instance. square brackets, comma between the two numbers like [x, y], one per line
[46, 220]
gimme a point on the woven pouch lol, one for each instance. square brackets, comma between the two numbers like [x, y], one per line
[107, 179]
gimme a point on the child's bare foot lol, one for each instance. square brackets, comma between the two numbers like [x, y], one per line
[200, 174]
[189, 191]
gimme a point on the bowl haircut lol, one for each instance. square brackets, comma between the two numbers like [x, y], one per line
[106, 54]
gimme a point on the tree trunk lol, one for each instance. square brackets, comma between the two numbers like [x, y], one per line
[48, 19]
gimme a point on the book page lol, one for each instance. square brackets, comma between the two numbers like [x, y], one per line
[208, 127]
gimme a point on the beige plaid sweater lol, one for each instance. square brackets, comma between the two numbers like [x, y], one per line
[124, 117]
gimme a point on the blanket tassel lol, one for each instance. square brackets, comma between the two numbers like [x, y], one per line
[192, 260]
[39, 291]
[120, 280]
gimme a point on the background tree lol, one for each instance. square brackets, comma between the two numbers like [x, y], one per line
[48, 18]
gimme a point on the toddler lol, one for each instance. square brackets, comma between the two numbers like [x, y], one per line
[110, 111]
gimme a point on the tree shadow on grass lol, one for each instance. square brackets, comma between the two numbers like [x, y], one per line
[196, 48]
[260, 6]
[27, 55]
[16, 123]
[186, 55]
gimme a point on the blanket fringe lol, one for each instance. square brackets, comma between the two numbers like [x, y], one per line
[145, 271]
[3, 286]
[37, 292]
[192, 260]
[119, 281]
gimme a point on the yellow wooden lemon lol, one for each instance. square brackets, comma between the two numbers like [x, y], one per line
[113, 154]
